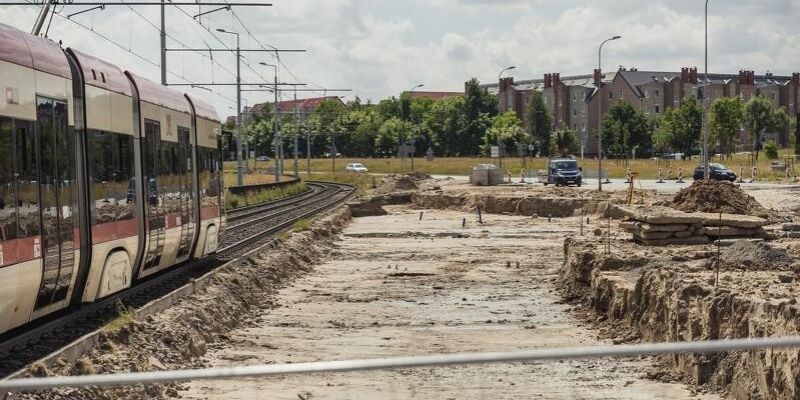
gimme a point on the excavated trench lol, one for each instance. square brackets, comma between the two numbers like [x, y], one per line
[671, 295]
[178, 337]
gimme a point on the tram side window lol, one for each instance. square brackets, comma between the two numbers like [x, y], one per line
[111, 171]
[27, 180]
[8, 207]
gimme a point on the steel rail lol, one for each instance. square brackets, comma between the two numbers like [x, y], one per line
[240, 213]
[437, 360]
[276, 211]
[341, 189]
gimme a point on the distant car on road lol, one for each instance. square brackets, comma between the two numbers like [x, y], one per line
[561, 171]
[716, 171]
[262, 158]
[356, 167]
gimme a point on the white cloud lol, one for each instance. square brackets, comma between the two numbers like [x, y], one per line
[382, 47]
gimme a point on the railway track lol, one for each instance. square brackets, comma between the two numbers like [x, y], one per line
[252, 227]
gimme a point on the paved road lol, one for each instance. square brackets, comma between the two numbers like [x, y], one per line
[666, 187]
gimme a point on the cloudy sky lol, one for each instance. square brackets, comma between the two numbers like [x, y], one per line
[379, 48]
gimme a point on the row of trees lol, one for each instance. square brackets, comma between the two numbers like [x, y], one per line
[469, 125]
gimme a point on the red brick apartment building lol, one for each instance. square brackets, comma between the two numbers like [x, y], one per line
[573, 100]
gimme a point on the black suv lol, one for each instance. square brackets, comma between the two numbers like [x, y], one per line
[717, 172]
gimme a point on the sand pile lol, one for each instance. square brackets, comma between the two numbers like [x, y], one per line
[715, 197]
[395, 183]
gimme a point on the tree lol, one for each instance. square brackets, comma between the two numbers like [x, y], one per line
[479, 108]
[760, 116]
[680, 127]
[625, 128]
[505, 131]
[444, 122]
[540, 123]
[564, 142]
[724, 119]
[388, 136]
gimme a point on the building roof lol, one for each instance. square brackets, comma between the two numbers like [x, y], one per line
[434, 95]
[304, 105]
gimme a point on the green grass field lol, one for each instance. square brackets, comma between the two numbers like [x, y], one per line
[647, 169]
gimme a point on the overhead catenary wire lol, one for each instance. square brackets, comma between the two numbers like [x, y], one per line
[122, 47]
[437, 360]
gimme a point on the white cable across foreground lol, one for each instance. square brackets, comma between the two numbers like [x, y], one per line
[134, 378]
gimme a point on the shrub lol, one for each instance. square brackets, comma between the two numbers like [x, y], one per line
[301, 225]
[771, 150]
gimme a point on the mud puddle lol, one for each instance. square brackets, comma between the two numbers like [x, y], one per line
[380, 296]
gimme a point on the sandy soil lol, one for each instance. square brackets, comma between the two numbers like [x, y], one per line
[399, 286]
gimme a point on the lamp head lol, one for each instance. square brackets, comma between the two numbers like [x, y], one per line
[221, 30]
[616, 37]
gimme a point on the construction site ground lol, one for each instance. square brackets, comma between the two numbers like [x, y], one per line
[396, 285]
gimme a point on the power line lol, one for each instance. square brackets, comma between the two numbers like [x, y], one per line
[119, 45]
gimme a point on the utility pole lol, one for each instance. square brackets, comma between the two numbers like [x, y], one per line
[163, 34]
[275, 128]
[296, 129]
[308, 150]
[239, 172]
[705, 104]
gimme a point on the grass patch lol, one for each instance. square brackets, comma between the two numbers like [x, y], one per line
[125, 315]
[283, 236]
[234, 201]
[301, 225]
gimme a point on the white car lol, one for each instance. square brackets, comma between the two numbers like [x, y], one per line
[356, 167]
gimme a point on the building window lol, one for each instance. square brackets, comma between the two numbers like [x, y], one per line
[583, 126]
[574, 127]
[656, 93]
[646, 94]
[621, 94]
[574, 112]
[610, 95]
[647, 110]
[657, 110]
[574, 96]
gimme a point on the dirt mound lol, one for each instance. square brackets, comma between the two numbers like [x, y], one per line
[714, 197]
[419, 176]
[396, 183]
[755, 256]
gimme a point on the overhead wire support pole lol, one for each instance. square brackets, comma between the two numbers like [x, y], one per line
[296, 129]
[242, 50]
[136, 3]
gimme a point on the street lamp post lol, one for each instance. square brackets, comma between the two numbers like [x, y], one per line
[239, 175]
[705, 102]
[402, 140]
[600, 114]
[275, 120]
[500, 75]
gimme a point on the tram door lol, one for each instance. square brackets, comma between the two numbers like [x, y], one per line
[57, 184]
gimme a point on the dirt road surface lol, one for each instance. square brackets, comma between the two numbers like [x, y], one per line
[398, 286]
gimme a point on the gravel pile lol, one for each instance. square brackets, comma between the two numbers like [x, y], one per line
[755, 256]
[715, 197]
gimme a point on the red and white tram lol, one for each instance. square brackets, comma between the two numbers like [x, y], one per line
[105, 178]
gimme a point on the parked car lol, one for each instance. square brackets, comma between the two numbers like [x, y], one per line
[716, 171]
[356, 167]
[561, 171]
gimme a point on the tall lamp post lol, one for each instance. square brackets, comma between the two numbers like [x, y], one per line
[239, 176]
[705, 102]
[500, 75]
[600, 114]
[403, 140]
[275, 119]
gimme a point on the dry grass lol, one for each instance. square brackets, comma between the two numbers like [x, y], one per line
[647, 169]
[125, 315]
[301, 225]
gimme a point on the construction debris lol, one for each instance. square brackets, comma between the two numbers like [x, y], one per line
[663, 226]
